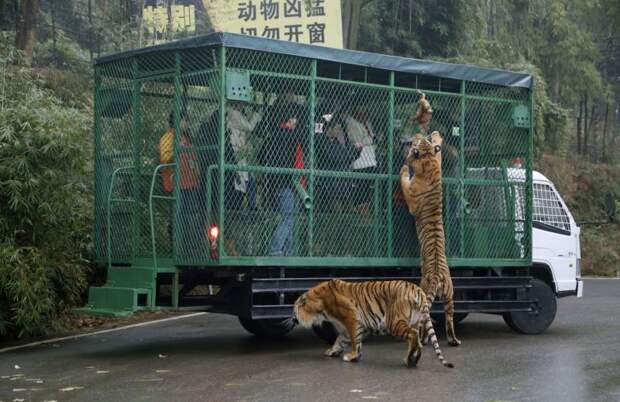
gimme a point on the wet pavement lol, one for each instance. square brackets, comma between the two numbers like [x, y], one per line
[211, 358]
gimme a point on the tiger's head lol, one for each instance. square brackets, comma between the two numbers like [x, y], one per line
[310, 307]
[425, 152]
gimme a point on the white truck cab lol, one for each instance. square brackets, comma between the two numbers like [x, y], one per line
[555, 238]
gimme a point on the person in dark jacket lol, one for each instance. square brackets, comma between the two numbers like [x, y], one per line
[335, 153]
[283, 147]
[333, 194]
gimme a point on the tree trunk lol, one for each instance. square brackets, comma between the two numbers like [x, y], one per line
[579, 119]
[346, 21]
[90, 29]
[354, 26]
[103, 16]
[591, 131]
[52, 6]
[410, 16]
[604, 141]
[140, 22]
[2, 13]
[585, 126]
[26, 27]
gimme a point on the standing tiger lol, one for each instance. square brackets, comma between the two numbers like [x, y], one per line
[423, 194]
[363, 308]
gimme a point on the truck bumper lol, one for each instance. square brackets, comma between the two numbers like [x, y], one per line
[579, 287]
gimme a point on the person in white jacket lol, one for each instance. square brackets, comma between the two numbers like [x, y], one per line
[239, 127]
[361, 134]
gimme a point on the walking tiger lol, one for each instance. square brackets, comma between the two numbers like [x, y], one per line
[376, 307]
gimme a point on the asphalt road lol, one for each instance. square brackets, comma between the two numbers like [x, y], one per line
[211, 358]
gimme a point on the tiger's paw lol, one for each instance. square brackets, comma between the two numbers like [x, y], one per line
[412, 361]
[454, 342]
[331, 352]
[351, 357]
[404, 170]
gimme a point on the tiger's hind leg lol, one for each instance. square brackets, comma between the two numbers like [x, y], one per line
[448, 307]
[402, 329]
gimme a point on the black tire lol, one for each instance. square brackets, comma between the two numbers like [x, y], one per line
[326, 331]
[270, 328]
[535, 322]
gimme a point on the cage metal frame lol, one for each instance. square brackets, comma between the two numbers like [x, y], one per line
[217, 43]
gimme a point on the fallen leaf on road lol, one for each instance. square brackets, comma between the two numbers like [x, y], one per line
[356, 390]
[91, 367]
[162, 371]
[514, 388]
[162, 356]
[18, 400]
[17, 367]
[68, 389]
[102, 371]
[19, 389]
[232, 384]
[52, 400]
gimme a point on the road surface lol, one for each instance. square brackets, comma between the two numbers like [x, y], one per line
[211, 358]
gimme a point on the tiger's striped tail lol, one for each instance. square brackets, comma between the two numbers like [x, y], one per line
[428, 325]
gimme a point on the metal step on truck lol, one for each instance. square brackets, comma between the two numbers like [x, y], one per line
[232, 173]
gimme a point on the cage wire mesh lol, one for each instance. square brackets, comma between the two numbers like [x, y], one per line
[310, 152]
[548, 208]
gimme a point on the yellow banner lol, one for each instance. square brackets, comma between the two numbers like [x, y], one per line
[316, 22]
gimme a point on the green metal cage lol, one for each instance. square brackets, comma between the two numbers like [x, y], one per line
[250, 188]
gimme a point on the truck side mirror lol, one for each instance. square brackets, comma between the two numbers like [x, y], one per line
[610, 207]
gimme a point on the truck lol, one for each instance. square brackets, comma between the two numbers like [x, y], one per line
[196, 230]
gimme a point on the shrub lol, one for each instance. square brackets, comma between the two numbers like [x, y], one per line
[45, 202]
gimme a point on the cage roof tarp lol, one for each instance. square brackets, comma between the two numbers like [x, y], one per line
[365, 59]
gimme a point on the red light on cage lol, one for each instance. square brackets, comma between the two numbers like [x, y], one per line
[214, 232]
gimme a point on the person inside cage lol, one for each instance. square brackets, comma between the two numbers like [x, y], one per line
[361, 134]
[334, 152]
[239, 128]
[283, 148]
[189, 183]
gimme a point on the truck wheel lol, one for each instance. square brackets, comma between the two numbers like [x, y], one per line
[326, 331]
[537, 321]
[270, 328]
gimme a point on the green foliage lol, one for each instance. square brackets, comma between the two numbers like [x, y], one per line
[584, 187]
[45, 202]
[558, 41]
